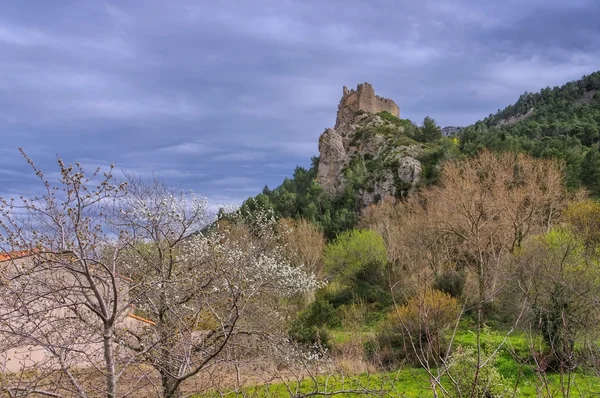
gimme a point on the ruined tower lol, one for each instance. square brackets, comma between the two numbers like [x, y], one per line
[364, 99]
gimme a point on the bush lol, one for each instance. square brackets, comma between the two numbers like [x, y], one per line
[429, 313]
[385, 115]
[309, 335]
[309, 327]
[357, 255]
[419, 326]
[584, 219]
[451, 282]
[486, 382]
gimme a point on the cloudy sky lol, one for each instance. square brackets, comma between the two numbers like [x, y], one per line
[223, 97]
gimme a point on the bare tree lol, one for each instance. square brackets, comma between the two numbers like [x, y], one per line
[475, 220]
[66, 295]
[303, 243]
[87, 251]
[490, 204]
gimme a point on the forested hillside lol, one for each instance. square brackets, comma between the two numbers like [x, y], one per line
[560, 122]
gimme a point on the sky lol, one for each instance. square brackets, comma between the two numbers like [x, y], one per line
[224, 97]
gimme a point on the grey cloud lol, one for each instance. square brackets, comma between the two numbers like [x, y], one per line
[225, 97]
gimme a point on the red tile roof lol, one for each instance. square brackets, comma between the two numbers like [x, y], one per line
[4, 256]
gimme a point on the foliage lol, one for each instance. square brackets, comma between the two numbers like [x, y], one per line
[430, 131]
[584, 218]
[562, 123]
[309, 327]
[357, 255]
[476, 379]
[566, 285]
[418, 327]
[451, 282]
[429, 313]
[303, 197]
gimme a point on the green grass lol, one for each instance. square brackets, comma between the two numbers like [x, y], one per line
[412, 383]
[405, 383]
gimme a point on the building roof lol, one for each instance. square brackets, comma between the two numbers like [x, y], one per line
[5, 256]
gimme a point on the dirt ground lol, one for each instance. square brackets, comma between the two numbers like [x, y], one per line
[143, 381]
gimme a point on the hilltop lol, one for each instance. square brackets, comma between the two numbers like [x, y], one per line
[369, 156]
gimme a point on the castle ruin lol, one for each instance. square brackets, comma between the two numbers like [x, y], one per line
[364, 99]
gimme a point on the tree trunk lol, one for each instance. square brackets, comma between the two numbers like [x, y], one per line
[170, 386]
[109, 358]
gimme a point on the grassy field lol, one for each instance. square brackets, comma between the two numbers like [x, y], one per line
[512, 362]
[413, 383]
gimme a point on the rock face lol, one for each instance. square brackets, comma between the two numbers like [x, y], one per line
[450, 131]
[368, 149]
[331, 162]
[516, 119]
[409, 170]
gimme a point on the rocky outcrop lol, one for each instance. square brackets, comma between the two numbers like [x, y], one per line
[409, 170]
[450, 131]
[331, 162]
[368, 149]
[515, 119]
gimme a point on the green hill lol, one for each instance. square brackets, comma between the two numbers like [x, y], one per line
[560, 122]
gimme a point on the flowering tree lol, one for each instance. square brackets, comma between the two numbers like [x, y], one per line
[93, 249]
[203, 292]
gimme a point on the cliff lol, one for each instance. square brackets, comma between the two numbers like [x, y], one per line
[368, 148]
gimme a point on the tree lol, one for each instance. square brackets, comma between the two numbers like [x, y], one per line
[583, 218]
[430, 131]
[67, 296]
[562, 283]
[207, 294]
[590, 171]
[490, 204]
[471, 226]
[86, 255]
[303, 244]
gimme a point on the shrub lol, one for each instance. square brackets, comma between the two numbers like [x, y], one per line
[429, 313]
[357, 255]
[385, 115]
[451, 282]
[484, 382]
[417, 328]
[584, 218]
[309, 335]
[309, 327]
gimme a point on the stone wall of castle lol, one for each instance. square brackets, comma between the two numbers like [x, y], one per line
[364, 99]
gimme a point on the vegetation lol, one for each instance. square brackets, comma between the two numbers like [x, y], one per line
[560, 122]
[302, 197]
[482, 282]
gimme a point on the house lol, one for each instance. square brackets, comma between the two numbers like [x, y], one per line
[46, 320]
